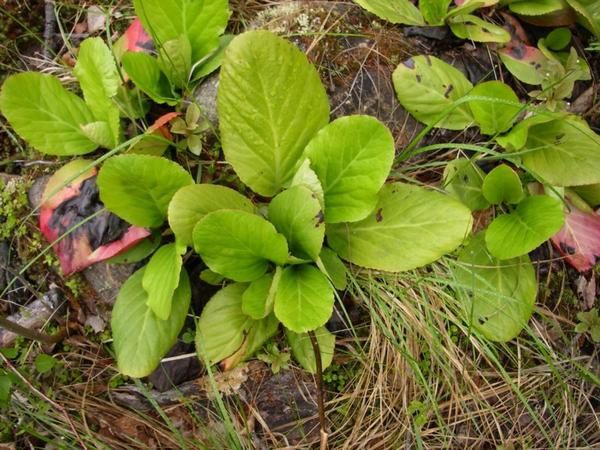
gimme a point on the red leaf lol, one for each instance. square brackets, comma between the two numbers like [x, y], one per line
[579, 239]
[97, 239]
[136, 38]
[159, 124]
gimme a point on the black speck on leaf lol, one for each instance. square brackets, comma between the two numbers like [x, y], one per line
[320, 218]
[379, 215]
[448, 90]
[418, 78]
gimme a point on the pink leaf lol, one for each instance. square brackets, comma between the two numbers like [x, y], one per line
[136, 38]
[579, 239]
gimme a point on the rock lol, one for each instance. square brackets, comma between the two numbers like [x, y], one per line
[206, 98]
[172, 373]
[105, 279]
[36, 191]
[34, 315]
[435, 33]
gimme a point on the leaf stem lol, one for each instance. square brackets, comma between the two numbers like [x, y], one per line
[320, 393]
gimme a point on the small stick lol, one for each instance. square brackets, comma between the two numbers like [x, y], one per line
[32, 334]
[320, 393]
[49, 26]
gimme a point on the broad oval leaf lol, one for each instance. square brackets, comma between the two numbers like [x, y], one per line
[304, 298]
[303, 351]
[222, 324]
[427, 87]
[410, 227]
[99, 79]
[536, 7]
[563, 152]
[192, 203]
[533, 221]
[45, 114]
[306, 176]
[138, 188]
[524, 62]
[463, 179]
[498, 109]
[238, 245]
[331, 265]
[175, 60]
[145, 72]
[498, 296]
[161, 279]
[434, 11]
[271, 103]
[469, 26]
[202, 22]
[352, 156]
[140, 338]
[397, 11]
[297, 214]
[502, 185]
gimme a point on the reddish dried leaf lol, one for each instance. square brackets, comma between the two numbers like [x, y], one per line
[137, 40]
[159, 124]
[99, 238]
[579, 239]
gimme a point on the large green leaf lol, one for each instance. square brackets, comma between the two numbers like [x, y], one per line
[352, 157]
[99, 79]
[140, 338]
[192, 203]
[238, 245]
[534, 221]
[224, 331]
[303, 351]
[469, 26]
[138, 188]
[304, 298]
[427, 87]
[202, 22]
[410, 227]
[502, 185]
[494, 113]
[331, 265]
[563, 152]
[498, 296]
[175, 60]
[161, 279]
[271, 103]
[45, 114]
[297, 214]
[145, 72]
[535, 7]
[396, 11]
[463, 179]
[434, 11]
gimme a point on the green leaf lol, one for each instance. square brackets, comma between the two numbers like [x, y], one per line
[45, 114]
[468, 26]
[306, 176]
[398, 11]
[427, 87]
[534, 221]
[138, 188]
[145, 72]
[535, 7]
[352, 156]
[5, 387]
[498, 296]
[202, 22]
[410, 227]
[563, 152]
[140, 338]
[257, 300]
[99, 133]
[271, 103]
[140, 251]
[224, 331]
[212, 278]
[161, 278]
[331, 265]
[304, 299]
[434, 11]
[175, 60]
[590, 194]
[589, 14]
[192, 203]
[494, 113]
[517, 137]
[463, 179]
[45, 363]
[302, 348]
[215, 60]
[558, 39]
[502, 185]
[238, 245]
[99, 79]
[297, 214]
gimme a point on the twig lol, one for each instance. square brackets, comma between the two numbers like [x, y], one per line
[32, 334]
[320, 393]
[49, 26]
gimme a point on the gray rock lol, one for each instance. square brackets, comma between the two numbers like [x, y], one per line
[36, 191]
[206, 98]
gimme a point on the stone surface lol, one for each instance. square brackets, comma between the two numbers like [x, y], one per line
[206, 97]
[172, 373]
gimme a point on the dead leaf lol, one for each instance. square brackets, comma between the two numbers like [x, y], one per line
[96, 19]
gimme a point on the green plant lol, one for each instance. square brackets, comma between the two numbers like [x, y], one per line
[276, 359]
[461, 20]
[589, 322]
